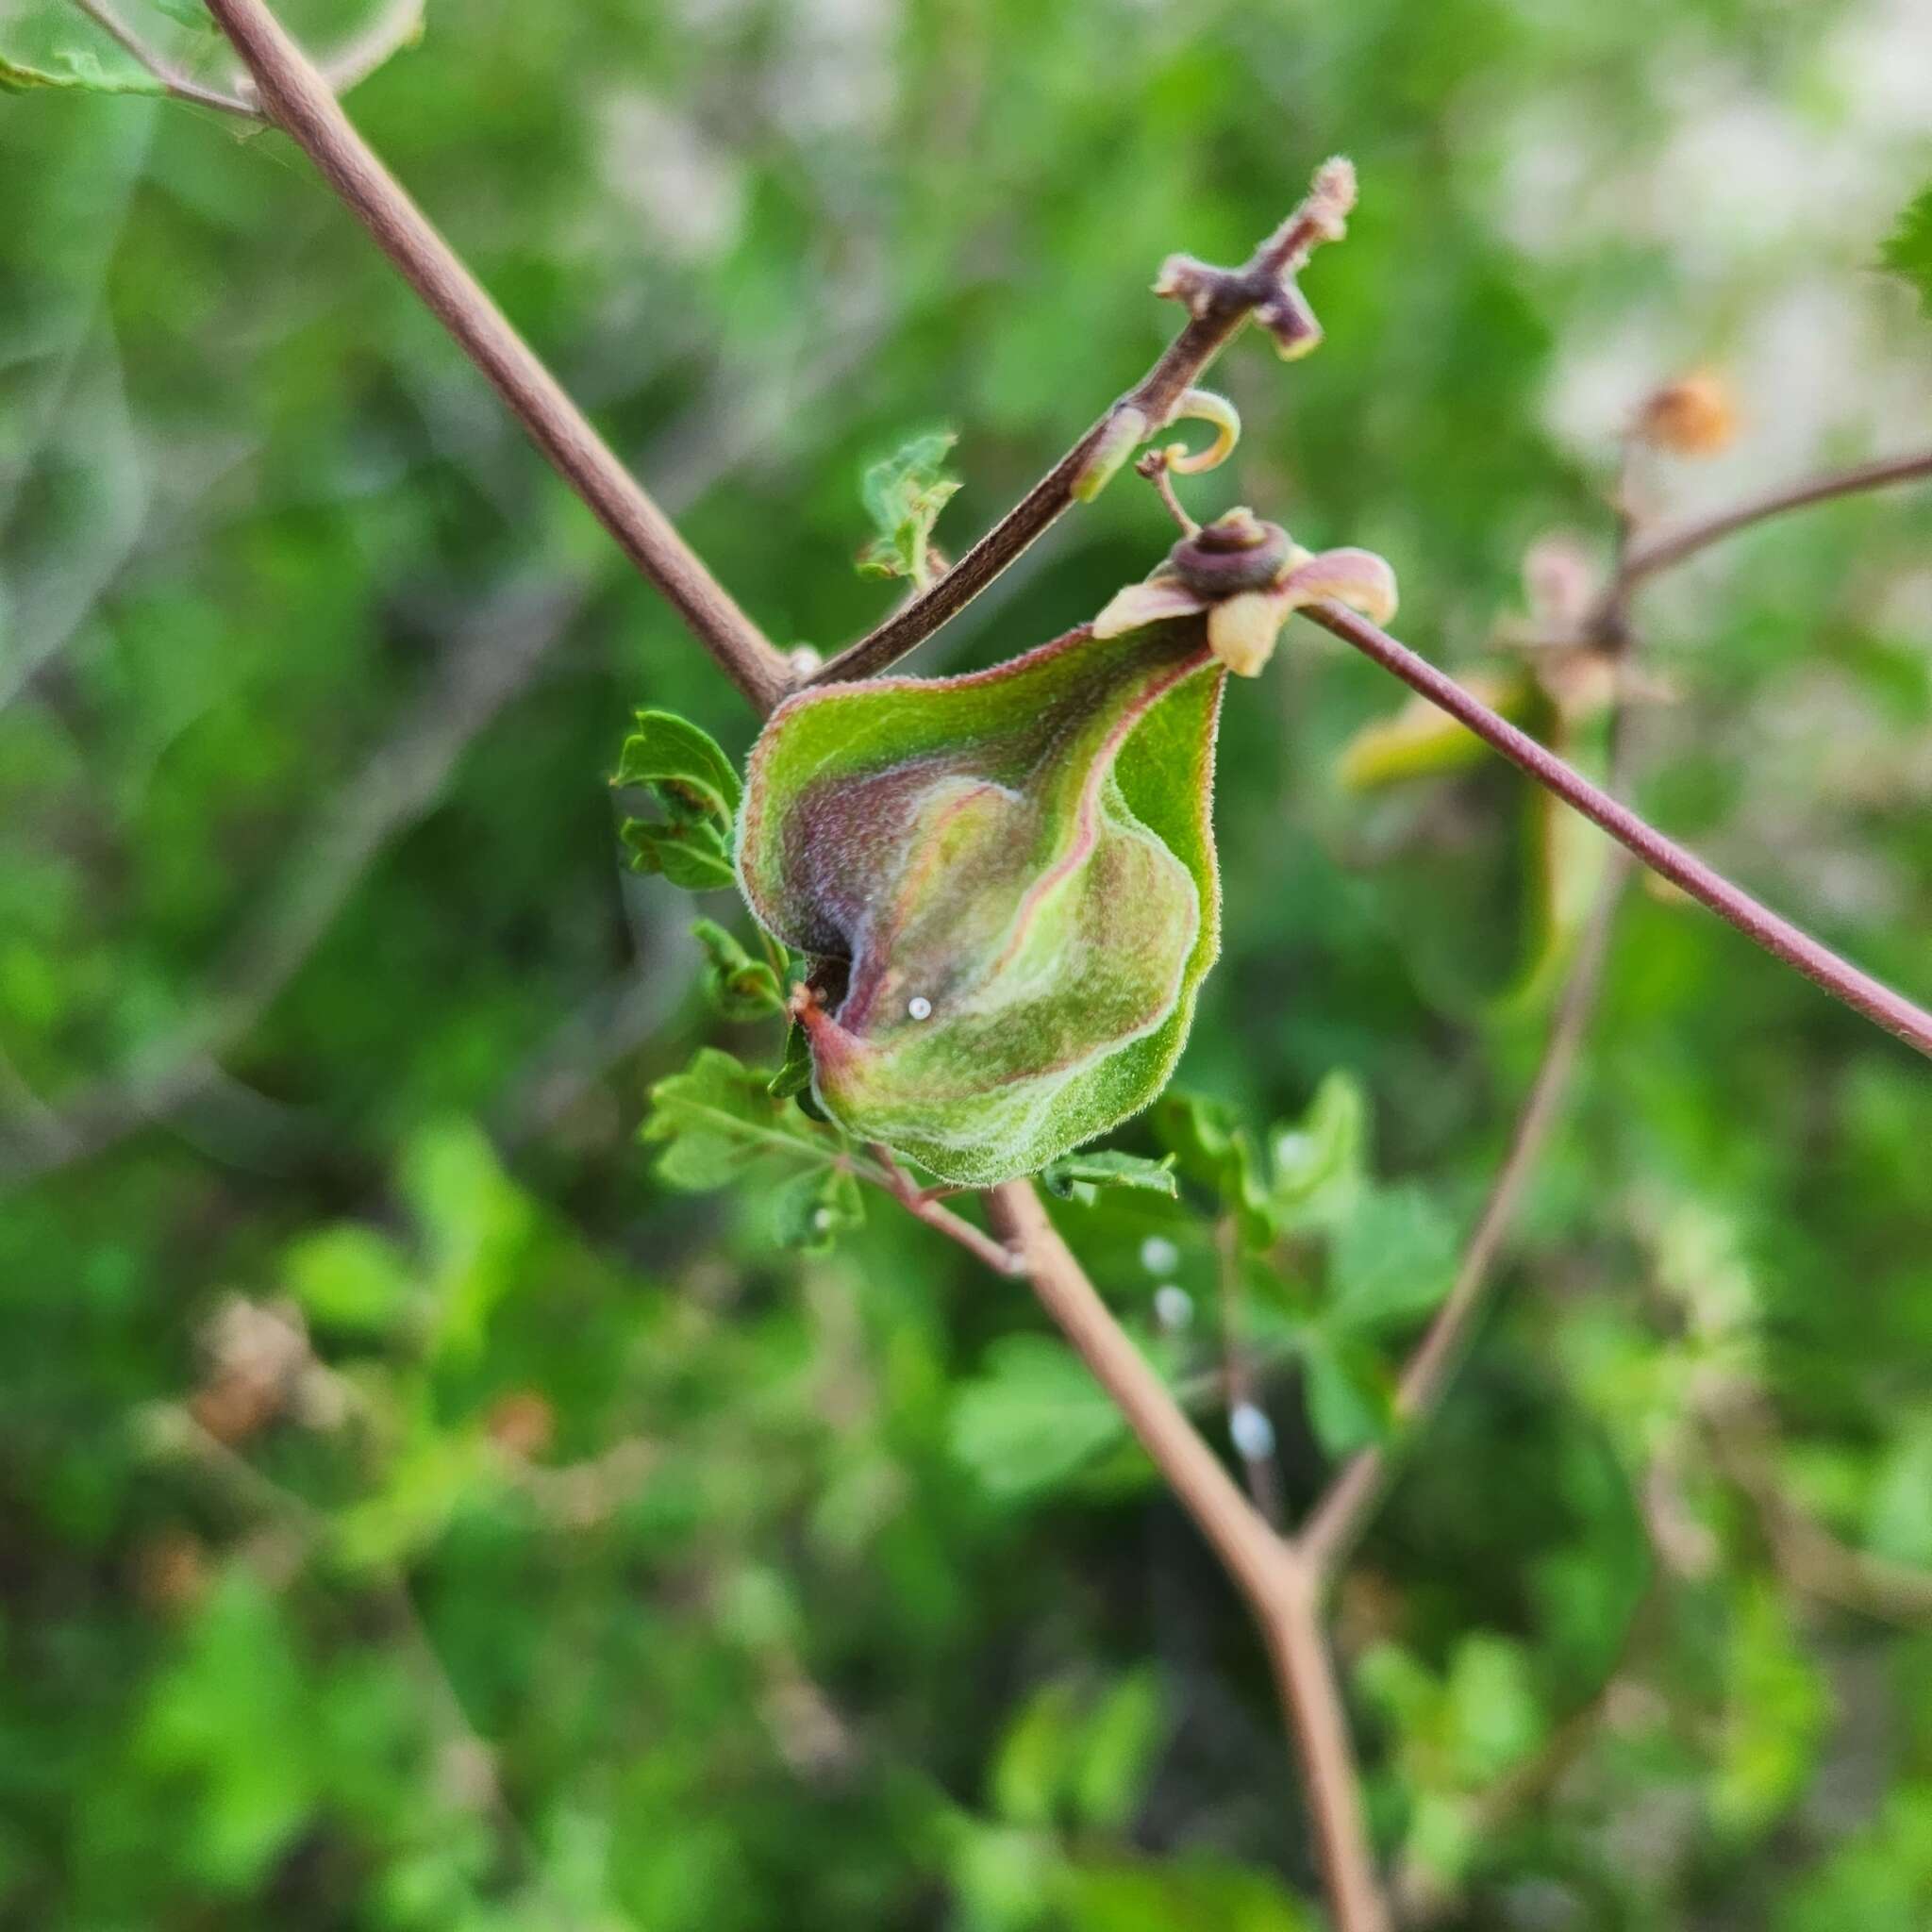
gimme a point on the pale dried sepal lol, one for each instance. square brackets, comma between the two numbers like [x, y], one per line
[1242, 629]
[1359, 578]
[1152, 601]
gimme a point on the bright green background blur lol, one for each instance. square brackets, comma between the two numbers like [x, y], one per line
[596, 1564]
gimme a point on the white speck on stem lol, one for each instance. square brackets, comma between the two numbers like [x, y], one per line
[1250, 1431]
[918, 1007]
[1159, 1255]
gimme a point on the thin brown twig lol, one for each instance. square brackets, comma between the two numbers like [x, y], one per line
[1343, 1509]
[299, 100]
[1220, 302]
[918, 1202]
[1155, 466]
[1779, 937]
[1281, 1588]
[1670, 547]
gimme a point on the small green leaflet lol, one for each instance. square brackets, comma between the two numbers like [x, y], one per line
[741, 986]
[1080, 1176]
[719, 1118]
[684, 772]
[903, 496]
[1212, 1149]
[815, 1208]
[1909, 251]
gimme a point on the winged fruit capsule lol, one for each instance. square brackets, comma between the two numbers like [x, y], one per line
[1005, 882]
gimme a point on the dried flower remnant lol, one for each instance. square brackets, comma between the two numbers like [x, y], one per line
[1693, 416]
[1248, 577]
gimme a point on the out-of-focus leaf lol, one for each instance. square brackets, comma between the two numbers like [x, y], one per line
[1775, 1712]
[1118, 1746]
[1907, 252]
[1898, 1523]
[1422, 741]
[1035, 1759]
[478, 1225]
[1184, 1894]
[1068, 1756]
[1568, 858]
[1492, 1707]
[1002, 1873]
[904, 496]
[422, 1486]
[1031, 1418]
[1390, 1260]
[1348, 1393]
[78, 70]
[1320, 1160]
[232, 1717]
[1879, 1879]
[350, 1277]
[1080, 1176]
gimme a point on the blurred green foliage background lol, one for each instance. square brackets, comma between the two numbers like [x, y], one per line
[413, 1515]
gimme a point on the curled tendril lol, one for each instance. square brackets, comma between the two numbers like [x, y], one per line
[1129, 427]
[1202, 406]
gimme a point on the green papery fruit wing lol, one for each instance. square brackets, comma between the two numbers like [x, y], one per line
[1007, 883]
